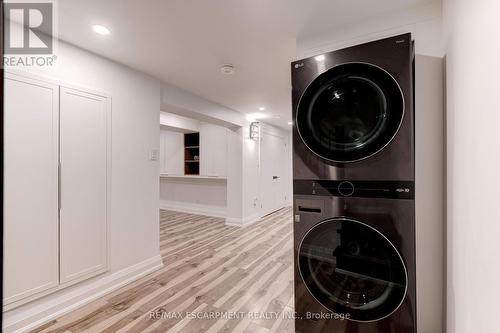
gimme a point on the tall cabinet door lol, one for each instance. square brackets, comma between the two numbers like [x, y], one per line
[30, 187]
[84, 156]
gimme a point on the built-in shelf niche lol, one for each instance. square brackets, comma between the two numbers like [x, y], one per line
[192, 153]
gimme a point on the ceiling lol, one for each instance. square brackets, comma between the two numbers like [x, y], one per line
[184, 42]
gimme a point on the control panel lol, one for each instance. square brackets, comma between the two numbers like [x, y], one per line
[356, 188]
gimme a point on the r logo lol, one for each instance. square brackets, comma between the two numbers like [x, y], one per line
[28, 28]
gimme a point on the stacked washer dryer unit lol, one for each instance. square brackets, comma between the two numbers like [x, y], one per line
[354, 172]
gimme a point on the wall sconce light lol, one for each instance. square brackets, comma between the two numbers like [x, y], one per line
[254, 130]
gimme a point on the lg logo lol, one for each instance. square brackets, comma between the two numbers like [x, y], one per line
[28, 28]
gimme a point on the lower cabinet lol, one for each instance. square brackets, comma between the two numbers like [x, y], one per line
[56, 172]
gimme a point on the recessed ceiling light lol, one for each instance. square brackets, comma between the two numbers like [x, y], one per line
[320, 58]
[290, 123]
[100, 29]
[262, 108]
[227, 69]
[256, 116]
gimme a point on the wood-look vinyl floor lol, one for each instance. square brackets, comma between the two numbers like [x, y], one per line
[210, 270]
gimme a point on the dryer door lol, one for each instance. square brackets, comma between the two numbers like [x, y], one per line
[351, 268]
[350, 112]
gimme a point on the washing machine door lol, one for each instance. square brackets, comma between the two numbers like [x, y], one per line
[350, 112]
[351, 268]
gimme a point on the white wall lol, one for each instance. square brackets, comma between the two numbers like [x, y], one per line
[424, 21]
[473, 160]
[234, 213]
[184, 103]
[134, 189]
[250, 177]
[178, 123]
[202, 196]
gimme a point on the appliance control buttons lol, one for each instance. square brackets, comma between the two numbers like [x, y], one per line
[346, 189]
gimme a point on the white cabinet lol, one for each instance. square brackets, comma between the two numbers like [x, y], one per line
[213, 150]
[84, 161]
[171, 152]
[56, 173]
[30, 188]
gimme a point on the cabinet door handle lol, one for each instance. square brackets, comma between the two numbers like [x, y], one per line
[275, 177]
[59, 186]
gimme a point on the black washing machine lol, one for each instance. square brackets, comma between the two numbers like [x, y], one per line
[354, 255]
[354, 208]
[353, 113]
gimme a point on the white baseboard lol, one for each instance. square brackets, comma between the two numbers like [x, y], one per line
[240, 222]
[190, 208]
[208, 211]
[39, 312]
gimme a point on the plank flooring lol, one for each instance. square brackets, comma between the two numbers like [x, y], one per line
[216, 278]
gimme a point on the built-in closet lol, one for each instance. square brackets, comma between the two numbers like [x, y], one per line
[57, 145]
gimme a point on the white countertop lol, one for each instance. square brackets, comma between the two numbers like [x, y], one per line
[163, 175]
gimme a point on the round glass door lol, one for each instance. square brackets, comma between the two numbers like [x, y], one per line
[350, 112]
[351, 268]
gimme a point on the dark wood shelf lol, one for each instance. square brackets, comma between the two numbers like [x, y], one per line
[192, 153]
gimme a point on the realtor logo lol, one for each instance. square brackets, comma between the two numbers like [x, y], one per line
[30, 33]
[28, 28]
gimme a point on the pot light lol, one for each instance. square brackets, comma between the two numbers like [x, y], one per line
[227, 69]
[262, 108]
[290, 123]
[256, 116]
[101, 30]
[320, 57]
